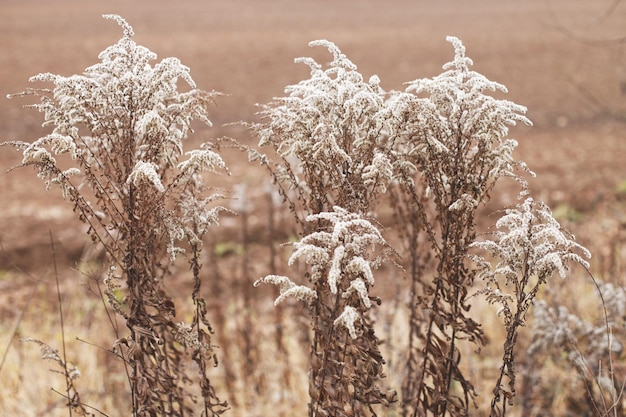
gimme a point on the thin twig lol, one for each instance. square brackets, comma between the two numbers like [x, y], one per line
[81, 403]
[56, 278]
[613, 406]
[22, 310]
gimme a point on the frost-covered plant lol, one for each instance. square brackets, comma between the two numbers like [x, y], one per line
[529, 247]
[346, 362]
[334, 160]
[116, 152]
[451, 147]
[327, 132]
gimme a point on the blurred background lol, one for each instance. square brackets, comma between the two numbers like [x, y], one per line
[563, 59]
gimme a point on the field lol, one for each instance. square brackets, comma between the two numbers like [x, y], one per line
[552, 55]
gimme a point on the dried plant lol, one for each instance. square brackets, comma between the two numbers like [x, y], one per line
[328, 134]
[71, 374]
[346, 362]
[334, 161]
[530, 246]
[450, 137]
[591, 347]
[118, 133]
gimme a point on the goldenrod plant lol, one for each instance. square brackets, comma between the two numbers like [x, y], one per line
[116, 152]
[529, 246]
[452, 136]
[334, 162]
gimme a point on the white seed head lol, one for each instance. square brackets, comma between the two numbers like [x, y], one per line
[347, 319]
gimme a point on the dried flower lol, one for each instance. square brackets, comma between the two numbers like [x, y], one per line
[145, 172]
[288, 289]
[341, 254]
[329, 134]
[347, 319]
[200, 160]
[530, 241]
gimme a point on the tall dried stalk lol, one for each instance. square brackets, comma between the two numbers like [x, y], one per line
[120, 129]
[452, 139]
[334, 162]
[530, 246]
[415, 249]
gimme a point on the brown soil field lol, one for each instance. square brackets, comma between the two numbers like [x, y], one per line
[563, 59]
[549, 54]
